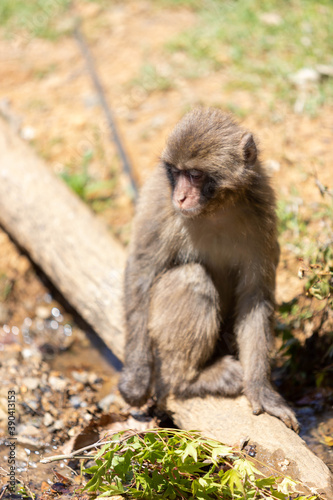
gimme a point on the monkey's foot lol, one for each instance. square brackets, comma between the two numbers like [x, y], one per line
[268, 400]
[134, 387]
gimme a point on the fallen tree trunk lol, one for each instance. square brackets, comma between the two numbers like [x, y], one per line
[83, 261]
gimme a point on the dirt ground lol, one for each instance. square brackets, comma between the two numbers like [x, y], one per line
[47, 95]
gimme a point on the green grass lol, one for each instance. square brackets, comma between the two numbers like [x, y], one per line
[95, 192]
[6, 286]
[193, 4]
[234, 36]
[151, 79]
[34, 17]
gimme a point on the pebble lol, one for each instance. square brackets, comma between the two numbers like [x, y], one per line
[284, 464]
[325, 69]
[58, 424]
[105, 403]
[43, 312]
[27, 431]
[28, 133]
[305, 77]
[48, 419]
[31, 383]
[271, 18]
[32, 404]
[80, 376]
[32, 352]
[93, 378]
[75, 401]
[57, 383]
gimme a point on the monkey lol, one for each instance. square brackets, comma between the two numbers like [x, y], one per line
[199, 286]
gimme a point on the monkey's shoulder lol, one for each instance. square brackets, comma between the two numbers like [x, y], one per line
[154, 198]
[155, 224]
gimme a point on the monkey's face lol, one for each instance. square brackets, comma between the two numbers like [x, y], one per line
[191, 189]
[209, 161]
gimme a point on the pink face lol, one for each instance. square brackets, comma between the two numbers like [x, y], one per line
[187, 190]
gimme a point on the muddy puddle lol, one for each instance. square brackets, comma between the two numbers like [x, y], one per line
[317, 432]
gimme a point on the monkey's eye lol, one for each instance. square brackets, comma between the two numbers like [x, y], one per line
[171, 168]
[195, 174]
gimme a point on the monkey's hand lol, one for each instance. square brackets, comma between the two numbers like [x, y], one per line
[134, 384]
[264, 398]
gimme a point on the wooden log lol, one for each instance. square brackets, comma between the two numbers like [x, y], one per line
[86, 264]
[62, 236]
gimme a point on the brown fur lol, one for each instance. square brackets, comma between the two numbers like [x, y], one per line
[201, 280]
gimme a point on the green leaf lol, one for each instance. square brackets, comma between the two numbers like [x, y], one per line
[112, 490]
[94, 483]
[246, 469]
[287, 486]
[267, 481]
[191, 468]
[190, 450]
[233, 480]
[278, 495]
[221, 451]
[102, 451]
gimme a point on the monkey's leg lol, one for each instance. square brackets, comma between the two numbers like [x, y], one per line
[224, 377]
[253, 330]
[184, 326]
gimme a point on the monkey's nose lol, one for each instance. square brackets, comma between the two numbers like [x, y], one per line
[181, 199]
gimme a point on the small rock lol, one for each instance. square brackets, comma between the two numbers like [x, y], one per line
[75, 401]
[48, 419]
[105, 403]
[81, 376]
[27, 431]
[325, 69]
[43, 312]
[33, 404]
[57, 383]
[32, 353]
[305, 77]
[58, 424]
[94, 378]
[28, 133]
[284, 464]
[31, 383]
[74, 431]
[271, 18]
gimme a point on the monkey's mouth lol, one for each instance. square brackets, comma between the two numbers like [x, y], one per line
[188, 212]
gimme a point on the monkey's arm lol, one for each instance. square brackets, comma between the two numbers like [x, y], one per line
[254, 327]
[135, 379]
[147, 258]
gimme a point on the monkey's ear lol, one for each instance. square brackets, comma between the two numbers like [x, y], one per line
[249, 149]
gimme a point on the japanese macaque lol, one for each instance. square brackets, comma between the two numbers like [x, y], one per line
[200, 276]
